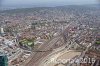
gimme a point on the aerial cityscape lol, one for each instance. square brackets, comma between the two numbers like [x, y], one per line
[58, 35]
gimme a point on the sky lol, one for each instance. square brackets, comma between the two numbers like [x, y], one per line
[38, 3]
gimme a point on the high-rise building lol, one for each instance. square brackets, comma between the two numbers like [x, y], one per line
[3, 60]
[2, 31]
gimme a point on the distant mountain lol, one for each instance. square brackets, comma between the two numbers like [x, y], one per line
[24, 10]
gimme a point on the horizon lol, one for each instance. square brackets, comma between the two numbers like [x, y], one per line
[13, 4]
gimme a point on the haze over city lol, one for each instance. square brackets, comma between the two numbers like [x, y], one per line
[42, 3]
[49, 32]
